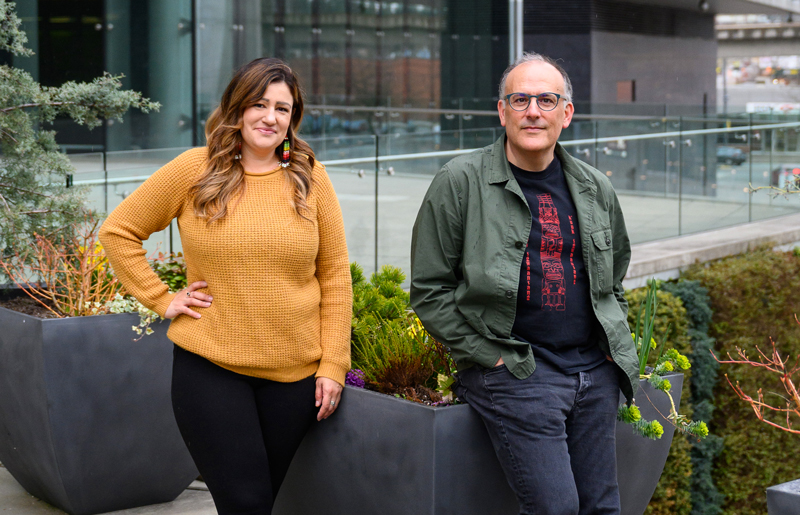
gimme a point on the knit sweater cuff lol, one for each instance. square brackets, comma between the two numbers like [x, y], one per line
[332, 371]
[163, 303]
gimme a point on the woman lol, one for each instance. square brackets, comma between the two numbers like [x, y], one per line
[262, 333]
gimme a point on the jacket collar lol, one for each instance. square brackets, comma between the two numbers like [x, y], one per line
[501, 171]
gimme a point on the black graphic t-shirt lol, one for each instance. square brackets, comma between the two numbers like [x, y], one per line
[554, 306]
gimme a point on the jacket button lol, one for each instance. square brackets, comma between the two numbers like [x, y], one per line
[608, 241]
[519, 244]
[509, 294]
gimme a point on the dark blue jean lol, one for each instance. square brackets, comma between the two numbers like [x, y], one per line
[553, 433]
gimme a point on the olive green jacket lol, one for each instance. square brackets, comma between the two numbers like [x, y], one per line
[467, 248]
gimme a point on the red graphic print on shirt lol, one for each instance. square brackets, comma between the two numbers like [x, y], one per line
[572, 252]
[554, 290]
[528, 269]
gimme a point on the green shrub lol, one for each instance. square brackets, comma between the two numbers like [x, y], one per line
[672, 495]
[388, 343]
[706, 499]
[753, 297]
[377, 302]
[171, 269]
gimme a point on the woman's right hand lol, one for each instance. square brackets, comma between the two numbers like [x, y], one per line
[189, 297]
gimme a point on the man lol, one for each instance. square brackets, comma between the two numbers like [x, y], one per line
[518, 254]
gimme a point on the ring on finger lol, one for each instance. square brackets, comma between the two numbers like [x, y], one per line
[333, 403]
[189, 294]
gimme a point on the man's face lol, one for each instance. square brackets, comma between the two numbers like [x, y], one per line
[534, 132]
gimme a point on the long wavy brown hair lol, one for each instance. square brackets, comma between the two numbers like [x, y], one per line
[223, 179]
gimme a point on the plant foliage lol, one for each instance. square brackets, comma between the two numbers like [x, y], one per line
[390, 348]
[705, 497]
[68, 275]
[34, 197]
[672, 495]
[654, 366]
[754, 298]
[171, 269]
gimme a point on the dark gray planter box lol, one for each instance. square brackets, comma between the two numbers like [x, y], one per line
[379, 454]
[784, 499]
[86, 420]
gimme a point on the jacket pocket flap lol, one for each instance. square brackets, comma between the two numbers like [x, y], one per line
[602, 239]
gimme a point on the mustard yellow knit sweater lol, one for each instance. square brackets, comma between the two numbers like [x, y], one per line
[281, 284]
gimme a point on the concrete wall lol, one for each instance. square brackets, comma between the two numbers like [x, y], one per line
[574, 54]
[667, 70]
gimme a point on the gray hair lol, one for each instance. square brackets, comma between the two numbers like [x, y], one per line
[529, 57]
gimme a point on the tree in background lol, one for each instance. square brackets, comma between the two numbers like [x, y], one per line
[34, 197]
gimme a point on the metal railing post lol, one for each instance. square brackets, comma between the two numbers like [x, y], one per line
[750, 173]
[680, 175]
[105, 183]
[377, 174]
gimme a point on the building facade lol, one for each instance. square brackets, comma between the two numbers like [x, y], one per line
[407, 55]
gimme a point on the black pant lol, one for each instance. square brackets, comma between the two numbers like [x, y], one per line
[241, 431]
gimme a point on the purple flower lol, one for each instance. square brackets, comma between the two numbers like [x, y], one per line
[355, 378]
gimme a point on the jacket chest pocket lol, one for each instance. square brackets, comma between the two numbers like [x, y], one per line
[603, 260]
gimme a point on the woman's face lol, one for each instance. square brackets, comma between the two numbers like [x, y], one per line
[264, 124]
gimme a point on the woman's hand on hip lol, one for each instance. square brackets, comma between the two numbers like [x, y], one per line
[187, 297]
[328, 394]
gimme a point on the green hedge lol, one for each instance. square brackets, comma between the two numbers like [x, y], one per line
[753, 297]
[672, 495]
[705, 497]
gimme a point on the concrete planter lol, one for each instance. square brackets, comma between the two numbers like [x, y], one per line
[784, 499]
[86, 420]
[379, 454]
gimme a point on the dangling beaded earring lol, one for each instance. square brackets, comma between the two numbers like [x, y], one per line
[239, 152]
[287, 154]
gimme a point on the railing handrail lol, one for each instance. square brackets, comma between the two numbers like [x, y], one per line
[458, 152]
[486, 112]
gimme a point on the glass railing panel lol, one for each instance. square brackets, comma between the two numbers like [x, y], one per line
[578, 140]
[673, 176]
[355, 184]
[775, 165]
[642, 180]
[732, 174]
[89, 173]
[127, 170]
[711, 194]
[343, 147]
[403, 183]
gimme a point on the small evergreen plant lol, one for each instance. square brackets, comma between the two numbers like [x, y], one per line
[391, 351]
[34, 197]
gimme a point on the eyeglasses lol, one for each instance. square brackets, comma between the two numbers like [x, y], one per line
[545, 101]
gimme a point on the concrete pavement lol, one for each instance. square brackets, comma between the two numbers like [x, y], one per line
[195, 500]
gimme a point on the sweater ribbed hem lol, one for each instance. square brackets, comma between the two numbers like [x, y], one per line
[281, 375]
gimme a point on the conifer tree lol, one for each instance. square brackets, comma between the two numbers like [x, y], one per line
[34, 197]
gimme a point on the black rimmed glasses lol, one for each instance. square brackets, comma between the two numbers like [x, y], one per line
[545, 101]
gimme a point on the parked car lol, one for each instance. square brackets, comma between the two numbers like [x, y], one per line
[784, 174]
[730, 155]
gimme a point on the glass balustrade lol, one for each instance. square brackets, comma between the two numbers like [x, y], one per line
[673, 176]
